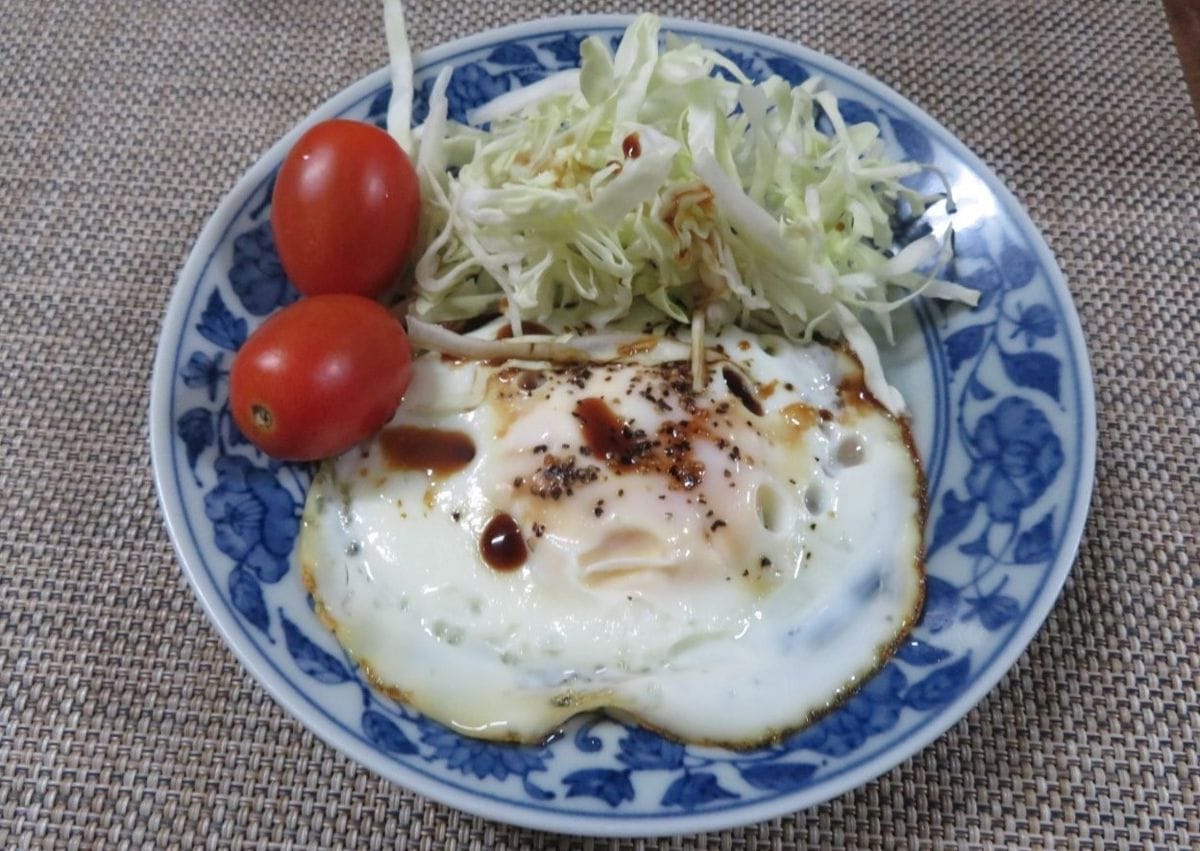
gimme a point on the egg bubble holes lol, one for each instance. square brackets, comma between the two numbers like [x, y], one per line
[1002, 414]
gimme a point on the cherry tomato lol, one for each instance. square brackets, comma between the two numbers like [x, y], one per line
[345, 209]
[319, 376]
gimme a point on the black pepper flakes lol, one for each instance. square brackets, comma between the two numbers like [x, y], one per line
[579, 377]
[558, 476]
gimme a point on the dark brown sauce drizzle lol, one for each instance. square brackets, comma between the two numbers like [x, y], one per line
[854, 393]
[738, 387]
[530, 380]
[527, 380]
[604, 433]
[437, 452]
[505, 331]
[502, 544]
[609, 438]
[631, 146]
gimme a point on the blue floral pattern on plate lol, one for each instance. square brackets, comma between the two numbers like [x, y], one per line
[1002, 414]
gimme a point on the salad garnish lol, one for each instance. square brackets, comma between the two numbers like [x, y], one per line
[664, 182]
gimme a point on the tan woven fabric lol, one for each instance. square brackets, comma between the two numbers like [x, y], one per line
[124, 720]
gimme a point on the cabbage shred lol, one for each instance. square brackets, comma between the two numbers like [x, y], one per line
[649, 183]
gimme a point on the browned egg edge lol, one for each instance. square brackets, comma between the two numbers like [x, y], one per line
[854, 394]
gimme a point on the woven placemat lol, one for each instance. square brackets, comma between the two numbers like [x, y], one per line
[124, 720]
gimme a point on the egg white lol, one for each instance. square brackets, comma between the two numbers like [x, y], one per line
[728, 600]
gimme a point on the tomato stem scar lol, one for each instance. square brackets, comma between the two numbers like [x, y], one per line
[262, 417]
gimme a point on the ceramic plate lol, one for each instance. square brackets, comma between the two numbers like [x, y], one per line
[1002, 410]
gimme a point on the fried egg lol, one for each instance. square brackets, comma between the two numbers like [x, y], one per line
[525, 542]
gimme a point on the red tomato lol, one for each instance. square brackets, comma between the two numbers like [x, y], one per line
[319, 376]
[345, 209]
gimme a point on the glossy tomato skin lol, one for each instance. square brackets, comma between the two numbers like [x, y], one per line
[345, 208]
[319, 376]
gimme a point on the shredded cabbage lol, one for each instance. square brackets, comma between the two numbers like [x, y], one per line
[649, 181]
